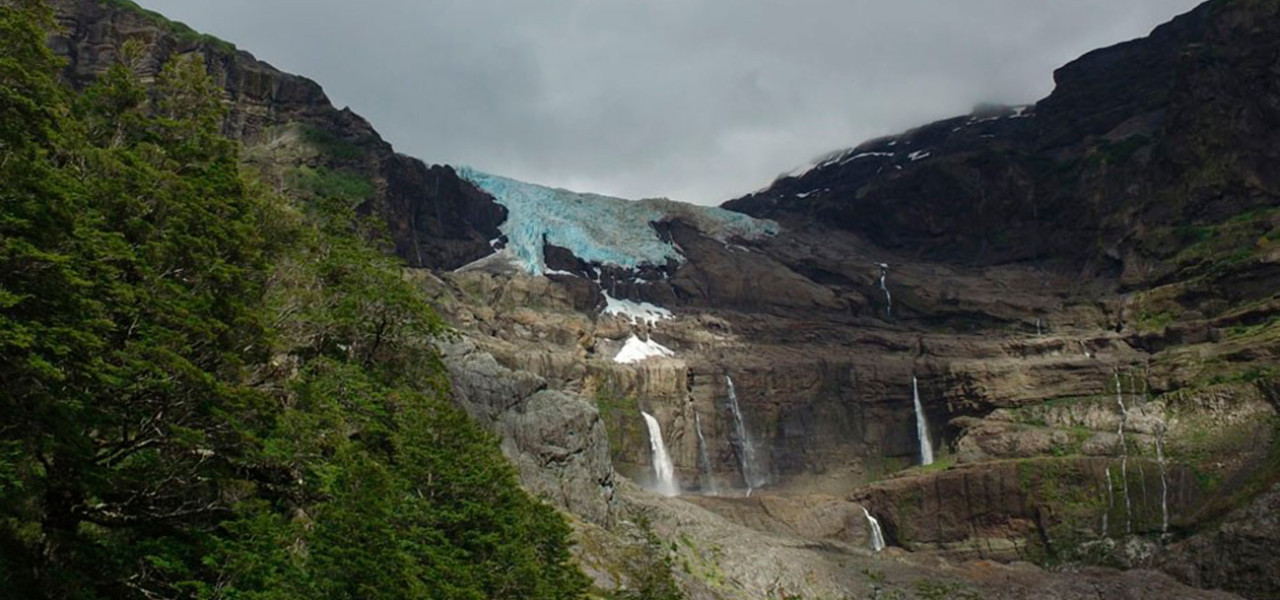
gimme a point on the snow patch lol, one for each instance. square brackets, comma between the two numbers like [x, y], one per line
[636, 350]
[919, 155]
[501, 261]
[636, 312]
[864, 155]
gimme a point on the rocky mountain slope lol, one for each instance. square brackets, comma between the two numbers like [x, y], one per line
[302, 139]
[1082, 294]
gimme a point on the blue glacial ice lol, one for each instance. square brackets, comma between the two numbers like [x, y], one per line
[601, 229]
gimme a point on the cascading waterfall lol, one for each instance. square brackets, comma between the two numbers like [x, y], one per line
[877, 535]
[888, 299]
[922, 426]
[1124, 457]
[704, 460]
[664, 473]
[1164, 480]
[745, 449]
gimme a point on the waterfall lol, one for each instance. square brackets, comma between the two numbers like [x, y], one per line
[877, 535]
[1124, 457]
[1039, 327]
[704, 461]
[1111, 501]
[922, 426]
[664, 477]
[1164, 480]
[745, 449]
[888, 300]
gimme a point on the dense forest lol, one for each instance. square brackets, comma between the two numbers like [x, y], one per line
[210, 390]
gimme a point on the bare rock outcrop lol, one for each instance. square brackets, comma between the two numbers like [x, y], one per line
[556, 439]
[1235, 556]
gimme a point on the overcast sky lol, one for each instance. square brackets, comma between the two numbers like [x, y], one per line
[695, 100]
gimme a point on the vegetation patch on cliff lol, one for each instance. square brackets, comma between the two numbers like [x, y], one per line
[181, 31]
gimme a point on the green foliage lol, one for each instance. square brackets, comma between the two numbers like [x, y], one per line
[1246, 330]
[1215, 250]
[211, 393]
[323, 183]
[621, 418]
[927, 589]
[942, 462]
[1248, 375]
[329, 143]
[1063, 494]
[1207, 446]
[181, 31]
[1155, 321]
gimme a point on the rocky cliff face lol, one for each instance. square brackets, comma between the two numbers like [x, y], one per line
[1136, 140]
[1084, 293]
[1084, 290]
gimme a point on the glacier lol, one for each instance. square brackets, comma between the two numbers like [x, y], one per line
[601, 229]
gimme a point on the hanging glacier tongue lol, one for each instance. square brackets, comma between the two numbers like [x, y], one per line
[600, 229]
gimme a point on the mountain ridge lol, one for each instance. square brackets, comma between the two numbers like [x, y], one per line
[434, 218]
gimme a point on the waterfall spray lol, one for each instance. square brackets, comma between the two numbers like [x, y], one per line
[704, 459]
[877, 535]
[745, 449]
[664, 477]
[922, 426]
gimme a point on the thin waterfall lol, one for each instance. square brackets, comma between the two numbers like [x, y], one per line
[704, 460]
[922, 426]
[888, 299]
[1124, 457]
[1111, 501]
[877, 535]
[745, 449]
[1164, 480]
[664, 473]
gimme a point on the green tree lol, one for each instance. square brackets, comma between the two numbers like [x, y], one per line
[210, 392]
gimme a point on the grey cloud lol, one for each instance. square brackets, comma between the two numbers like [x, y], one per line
[697, 100]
